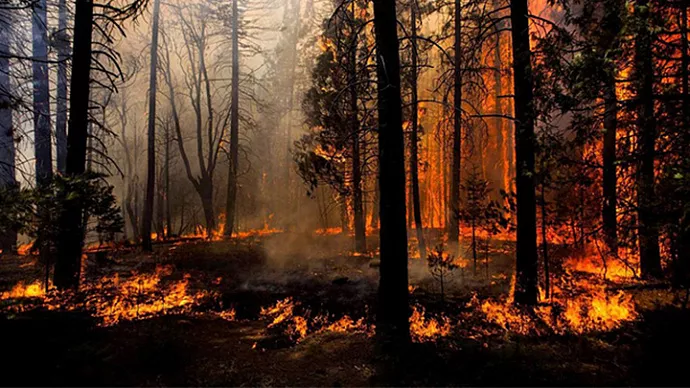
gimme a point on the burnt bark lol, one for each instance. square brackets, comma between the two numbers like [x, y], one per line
[151, 163]
[231, 204]
[358, 203]
[611, 26]
[8, 240]
[41, 93]
[648, 229]
[526, 289]
[414, 141]
[393, 306]
[63, 53]
[69, 245]
[455, 182]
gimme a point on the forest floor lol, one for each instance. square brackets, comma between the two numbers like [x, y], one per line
[201, 344]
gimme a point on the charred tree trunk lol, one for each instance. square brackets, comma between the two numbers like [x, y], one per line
[648, 231]
[151, 165]
[69, 245]
[393, 306]
[63, 52]
[526, 289]
[612, 28]
[205, 190]
[414, 141]
[681, 272]
[358, 203]
[231, 205]
[454, 225]
[168, 215]
[8, 240]
[42, 147]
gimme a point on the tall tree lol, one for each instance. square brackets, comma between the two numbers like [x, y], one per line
[414, 140]
[648, 230]
[393, 305]
[42, 147]
[7, 146]
[358, 203]
[231, 204]
[611, 27]
[62, 42]
[455, 182]
[526, 290]
[69, 244]
[151, 165]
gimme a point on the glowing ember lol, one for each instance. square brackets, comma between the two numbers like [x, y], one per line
[20, 290]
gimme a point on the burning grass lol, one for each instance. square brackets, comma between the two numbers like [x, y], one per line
[112, 299]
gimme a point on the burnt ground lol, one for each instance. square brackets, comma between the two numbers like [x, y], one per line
[60, 348]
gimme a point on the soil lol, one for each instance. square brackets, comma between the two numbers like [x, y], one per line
[198, 348]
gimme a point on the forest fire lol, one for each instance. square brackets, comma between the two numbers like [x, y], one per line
[345, 192]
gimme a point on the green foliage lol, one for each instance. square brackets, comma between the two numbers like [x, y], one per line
[35, 212]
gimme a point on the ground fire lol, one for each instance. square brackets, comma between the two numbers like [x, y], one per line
[345, 192]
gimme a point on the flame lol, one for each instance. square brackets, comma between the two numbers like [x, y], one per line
[112, 299]
[21, 290]
[25, 249]
[423, 329]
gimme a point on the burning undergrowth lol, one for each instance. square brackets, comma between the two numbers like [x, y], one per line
[291, 321]
[112, 299]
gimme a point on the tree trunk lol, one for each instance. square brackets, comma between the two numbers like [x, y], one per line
[206, 193]
[454, 208]
[414, 141]
[63, 52]
[358, 203]
[69, 245]
[168, 215]
[151, 165]
[43, 151]
[8, 241]
[526, 289]
[648, 231]
[231, 205]
[393, 307]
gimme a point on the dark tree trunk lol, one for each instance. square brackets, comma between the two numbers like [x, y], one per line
[526, 289]
[151, 165]
[8, 241]
[681, 272]
[648, 231]
[69, 245]
[168, 215]
[360, 227]
[393, 305]
[42, 147]
[611, 26]
[205, 190]
[231, 205]
[63, 52]
[454, 208]
[414, 141]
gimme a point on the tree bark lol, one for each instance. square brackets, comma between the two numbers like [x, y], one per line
[454, 208]
[611, 26]
[69, 245]
[8, 241]
[151, 165]
[42, 147]
[414, 141]
[358, 203]
[648, 230]
[231, 204]
[393, 307]
[526, 289]
[63, 52]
